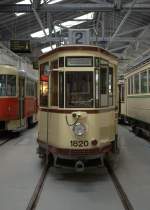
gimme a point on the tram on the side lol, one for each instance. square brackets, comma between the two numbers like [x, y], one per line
[18, 99]
[78, 106]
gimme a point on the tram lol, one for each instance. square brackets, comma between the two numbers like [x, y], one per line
[135, 91]
[78, 107]
[18, 99]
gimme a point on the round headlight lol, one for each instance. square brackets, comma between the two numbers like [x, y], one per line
[79, 129]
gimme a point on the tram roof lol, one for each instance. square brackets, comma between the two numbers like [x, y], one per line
[79, 47]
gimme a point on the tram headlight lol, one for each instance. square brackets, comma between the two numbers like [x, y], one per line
[79, 129]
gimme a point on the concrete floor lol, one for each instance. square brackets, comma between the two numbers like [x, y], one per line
[20, 170]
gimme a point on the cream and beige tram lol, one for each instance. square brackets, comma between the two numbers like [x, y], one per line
[78, 108]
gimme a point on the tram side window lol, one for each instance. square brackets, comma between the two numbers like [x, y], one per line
[30, 88]
[61, 62]
[97, 89]
[129, 79]
[11, 85]
[54, 88]
[110, 80]
[104, 86]
[136, 83]
[2, 85]
[61, 89]
[131, 83]
[44, 68]
[43, 93]
[144, 82]
[122, 93]
[79, 89]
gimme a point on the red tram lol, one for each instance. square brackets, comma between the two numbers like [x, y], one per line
[18, 99]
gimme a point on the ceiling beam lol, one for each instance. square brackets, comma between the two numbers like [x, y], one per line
[103, 7]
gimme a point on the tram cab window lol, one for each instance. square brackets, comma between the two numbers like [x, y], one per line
[54, 64]
[122, 92]
[44, 67]
[43, 93]
[144, 82]
[97, 61]
[149, 80]
[79, 89]
[131, 85]
[2, 85]
[54, 88]
[11, 85]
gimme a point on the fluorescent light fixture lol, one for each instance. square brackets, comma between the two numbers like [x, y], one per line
[47, 49]
[39, 34]
[69, 24]
[22, 2]
[52, 1]
[88, 16]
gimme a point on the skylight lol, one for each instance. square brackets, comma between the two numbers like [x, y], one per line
[39, 34]
[22, 2]
[52, 1]
[47, 49]
[69, 24]
[88, 16]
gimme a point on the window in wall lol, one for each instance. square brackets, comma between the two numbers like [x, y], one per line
[44, 93]
[129, 86]
[104, 86]
[54, 88]
[110, 80]
[79, 89]
[136, 83]
[2, 85]
[61, 89]
[144, 82]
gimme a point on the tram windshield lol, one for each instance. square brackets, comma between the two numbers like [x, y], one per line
[7, 85]
[79, 89]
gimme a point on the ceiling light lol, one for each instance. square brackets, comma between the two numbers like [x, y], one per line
[22, 2]
[88, 16]
[47, 49]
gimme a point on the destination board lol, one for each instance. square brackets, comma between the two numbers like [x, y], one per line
[20, 46]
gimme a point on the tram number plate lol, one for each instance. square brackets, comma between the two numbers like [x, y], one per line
[77, 143]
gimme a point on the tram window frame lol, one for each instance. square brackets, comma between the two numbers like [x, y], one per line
[61, 61]
[136, 83]
[142, 81]
[96, 61]
[3, 83]
[54, 83]
[104, 85]
[44, 97]
[61, 89]
[80, 95]
[79, 57]
[44, 68]
[97, 88]
[122, 92]
[54, 64]
[12, 90]
[110, 86]
[129, 85]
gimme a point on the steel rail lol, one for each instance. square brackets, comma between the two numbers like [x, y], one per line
[38, 189]
[123, 196]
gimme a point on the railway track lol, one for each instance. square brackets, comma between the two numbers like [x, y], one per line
[5, 137]
[38, 189]
[122, 195]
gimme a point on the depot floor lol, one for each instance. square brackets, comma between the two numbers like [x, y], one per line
[20, 170]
